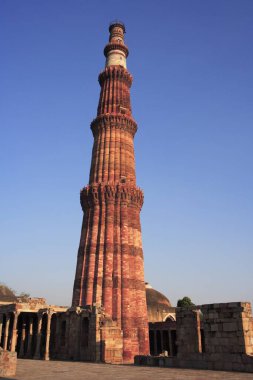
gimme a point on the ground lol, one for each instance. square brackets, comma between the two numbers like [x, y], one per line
[56, 370]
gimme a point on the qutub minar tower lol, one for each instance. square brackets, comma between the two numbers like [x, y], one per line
[108, 319]
[110, 268]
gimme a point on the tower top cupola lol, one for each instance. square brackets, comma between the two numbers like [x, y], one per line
[116, 51]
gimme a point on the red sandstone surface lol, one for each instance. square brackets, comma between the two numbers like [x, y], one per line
[110, 268]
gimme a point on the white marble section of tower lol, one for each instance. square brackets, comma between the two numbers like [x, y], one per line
[117, 54]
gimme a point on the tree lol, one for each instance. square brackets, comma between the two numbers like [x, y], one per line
[185, 302]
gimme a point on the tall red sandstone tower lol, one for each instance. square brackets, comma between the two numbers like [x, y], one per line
[109, 268]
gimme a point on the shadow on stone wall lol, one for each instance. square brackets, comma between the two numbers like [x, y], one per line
[214, 337]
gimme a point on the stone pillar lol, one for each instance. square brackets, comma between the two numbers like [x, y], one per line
[38, 337]
[29, 337]
[6, 332]
[22, 342]
[46, 355]
[188, 331]
[14, 332]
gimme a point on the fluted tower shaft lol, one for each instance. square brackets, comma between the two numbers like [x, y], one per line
[110, 269]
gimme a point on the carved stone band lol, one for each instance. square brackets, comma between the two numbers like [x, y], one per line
[116, 121]
[96, 194]
[115, 46]
[115, 72]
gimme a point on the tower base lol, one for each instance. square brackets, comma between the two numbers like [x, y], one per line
[87, 334]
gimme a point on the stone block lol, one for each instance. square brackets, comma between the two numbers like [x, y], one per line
[248, 368]
[210, 366]
[169, 362]
[8, 363]
[214, 327]
[225, 366]
[229, 326]
[150, 360]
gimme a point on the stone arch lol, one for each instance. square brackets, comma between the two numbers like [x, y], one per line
[169, 317]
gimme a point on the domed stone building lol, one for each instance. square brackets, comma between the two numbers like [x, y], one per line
[159, 307]
[23, 324]
[162, 322]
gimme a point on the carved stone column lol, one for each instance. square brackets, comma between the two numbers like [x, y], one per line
[22, 342]
[14, 332]
[46, 355]
[38, 337]
[6, 332]
[29, 337]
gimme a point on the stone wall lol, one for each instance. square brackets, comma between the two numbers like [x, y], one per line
[86, 334]
[228, 334]
[214, 337]
[188, 331]
[162, 338]
[8, 363]
[159, 313]
[112, 342]
[50, 332]
[78, 335]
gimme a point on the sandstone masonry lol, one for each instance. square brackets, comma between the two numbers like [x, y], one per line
[8, 363]
[109, 271]
[215, 336]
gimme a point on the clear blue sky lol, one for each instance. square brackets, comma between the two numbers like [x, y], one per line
[192, 98]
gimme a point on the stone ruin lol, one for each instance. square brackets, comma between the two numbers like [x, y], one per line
[108, 320]
[214, 337]
[8, 363]
[35, 330]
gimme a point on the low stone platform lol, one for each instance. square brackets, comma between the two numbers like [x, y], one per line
[56, 370]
